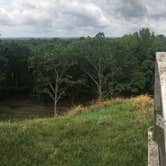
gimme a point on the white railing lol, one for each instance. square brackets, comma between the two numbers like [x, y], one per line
[160, 106]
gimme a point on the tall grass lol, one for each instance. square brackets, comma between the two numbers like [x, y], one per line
[109, 133]
[94, 106]
[143, 104]
[145, 108]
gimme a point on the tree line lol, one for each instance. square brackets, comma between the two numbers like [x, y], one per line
[79, 70]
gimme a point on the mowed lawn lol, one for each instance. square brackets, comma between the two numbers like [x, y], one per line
[108, 137]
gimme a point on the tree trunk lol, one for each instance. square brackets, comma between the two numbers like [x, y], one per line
[99, 86]
[55, 107]
[100, 94]
[56, 97]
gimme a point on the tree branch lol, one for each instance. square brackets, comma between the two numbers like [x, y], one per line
[92, 78]
[50, 94]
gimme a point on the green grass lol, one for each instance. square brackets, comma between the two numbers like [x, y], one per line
[109, 137]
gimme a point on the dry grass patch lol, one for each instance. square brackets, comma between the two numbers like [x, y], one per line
[94, 106]
[106, 103]
[145, 106]
[76, 110]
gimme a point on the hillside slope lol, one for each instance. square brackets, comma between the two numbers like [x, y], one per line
[112, 136]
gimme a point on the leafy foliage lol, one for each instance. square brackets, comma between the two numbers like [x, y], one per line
[87, 68]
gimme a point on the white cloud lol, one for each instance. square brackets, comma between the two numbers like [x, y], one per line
[41, 18]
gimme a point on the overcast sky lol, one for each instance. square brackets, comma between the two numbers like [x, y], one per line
[73, 18]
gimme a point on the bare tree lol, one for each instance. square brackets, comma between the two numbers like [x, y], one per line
[56, 88]
[52, 76]
[96, 57]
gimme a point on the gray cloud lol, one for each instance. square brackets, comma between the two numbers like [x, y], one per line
[159, 16]
[132, 9]
[85, 15]
[77, 17]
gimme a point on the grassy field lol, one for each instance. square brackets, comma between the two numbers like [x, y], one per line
[114, 135]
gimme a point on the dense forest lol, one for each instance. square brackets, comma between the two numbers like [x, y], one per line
[79, 70]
